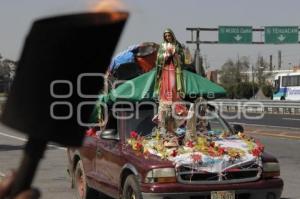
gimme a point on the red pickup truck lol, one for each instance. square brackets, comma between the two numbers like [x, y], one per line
[107, 164]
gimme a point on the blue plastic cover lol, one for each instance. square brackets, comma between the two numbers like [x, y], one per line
[123, 57]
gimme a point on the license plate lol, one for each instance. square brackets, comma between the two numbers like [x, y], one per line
[222, 195]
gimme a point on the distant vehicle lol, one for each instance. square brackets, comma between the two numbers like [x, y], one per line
[287, 86]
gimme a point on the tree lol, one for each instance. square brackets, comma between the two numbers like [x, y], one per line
[261, 71]
[246, 90]
[227, 73]
[232, 72]
[7, 70]
[267, 90]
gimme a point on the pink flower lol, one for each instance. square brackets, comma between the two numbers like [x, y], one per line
[91, 132]
[133, 134]
[196, 157]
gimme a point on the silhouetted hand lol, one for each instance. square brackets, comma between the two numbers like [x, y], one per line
[5, 186]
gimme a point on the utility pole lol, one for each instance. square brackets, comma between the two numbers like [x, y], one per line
[238, 71]
[252, 81]
[205, 62]
[279, 59]
[197, 57]
[197, 54]
[271, 65]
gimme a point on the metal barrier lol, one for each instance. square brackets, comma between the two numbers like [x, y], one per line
[251, 106]
[259, 106]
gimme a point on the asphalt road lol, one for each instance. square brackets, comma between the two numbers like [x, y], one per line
[51, 178]
[287, 152]
[53, 181]
[274, 120]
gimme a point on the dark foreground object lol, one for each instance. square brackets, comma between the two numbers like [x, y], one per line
[57, 51]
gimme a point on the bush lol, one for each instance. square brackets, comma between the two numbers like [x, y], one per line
[230, 90]
[267, 90]
[242, 90]
[245, 90]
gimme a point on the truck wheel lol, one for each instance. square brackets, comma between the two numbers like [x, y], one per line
[131, 189]
[83, 191]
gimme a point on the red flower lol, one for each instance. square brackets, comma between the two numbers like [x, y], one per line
[174, 153]
[180, 109]
[260, 146]
[91, 132]
[221, 151]
[196, 157]
[138, 146]
[190, 144]
[212, 144]
[133, 134]
[256, 152]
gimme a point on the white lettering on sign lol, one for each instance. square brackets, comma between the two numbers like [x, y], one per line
[284, 30]
[237, 30]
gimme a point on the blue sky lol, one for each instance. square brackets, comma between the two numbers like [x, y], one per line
[148, 19]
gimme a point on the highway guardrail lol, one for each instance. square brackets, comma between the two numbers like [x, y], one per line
[254, 106]
[258, 106]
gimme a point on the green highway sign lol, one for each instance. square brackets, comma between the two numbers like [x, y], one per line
[235, 34]
[281, 34]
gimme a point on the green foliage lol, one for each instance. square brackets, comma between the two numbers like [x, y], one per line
[260, 71]
[246, 90]
[235, 80]
[230, 90]
[231, 72]
[243, 90]
[7, 70]
[267, 90]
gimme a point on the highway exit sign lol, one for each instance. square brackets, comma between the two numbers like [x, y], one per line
[235, 34]
[281, 34]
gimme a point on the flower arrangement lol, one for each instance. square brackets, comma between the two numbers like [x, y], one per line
[136, 142]
[214, 147]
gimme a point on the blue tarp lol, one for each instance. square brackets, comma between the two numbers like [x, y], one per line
[123, 57]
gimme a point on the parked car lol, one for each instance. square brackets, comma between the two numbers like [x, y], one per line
[107, 164]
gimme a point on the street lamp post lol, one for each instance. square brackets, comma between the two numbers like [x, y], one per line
[252, 81]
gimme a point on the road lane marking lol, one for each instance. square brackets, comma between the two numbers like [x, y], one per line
[288, 118]
[14, 137]
[282, 135]
[2, 174]
[268, 126]
[23, 139]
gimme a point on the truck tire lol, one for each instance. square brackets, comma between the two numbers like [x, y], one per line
[83, 191]
[131, 188]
